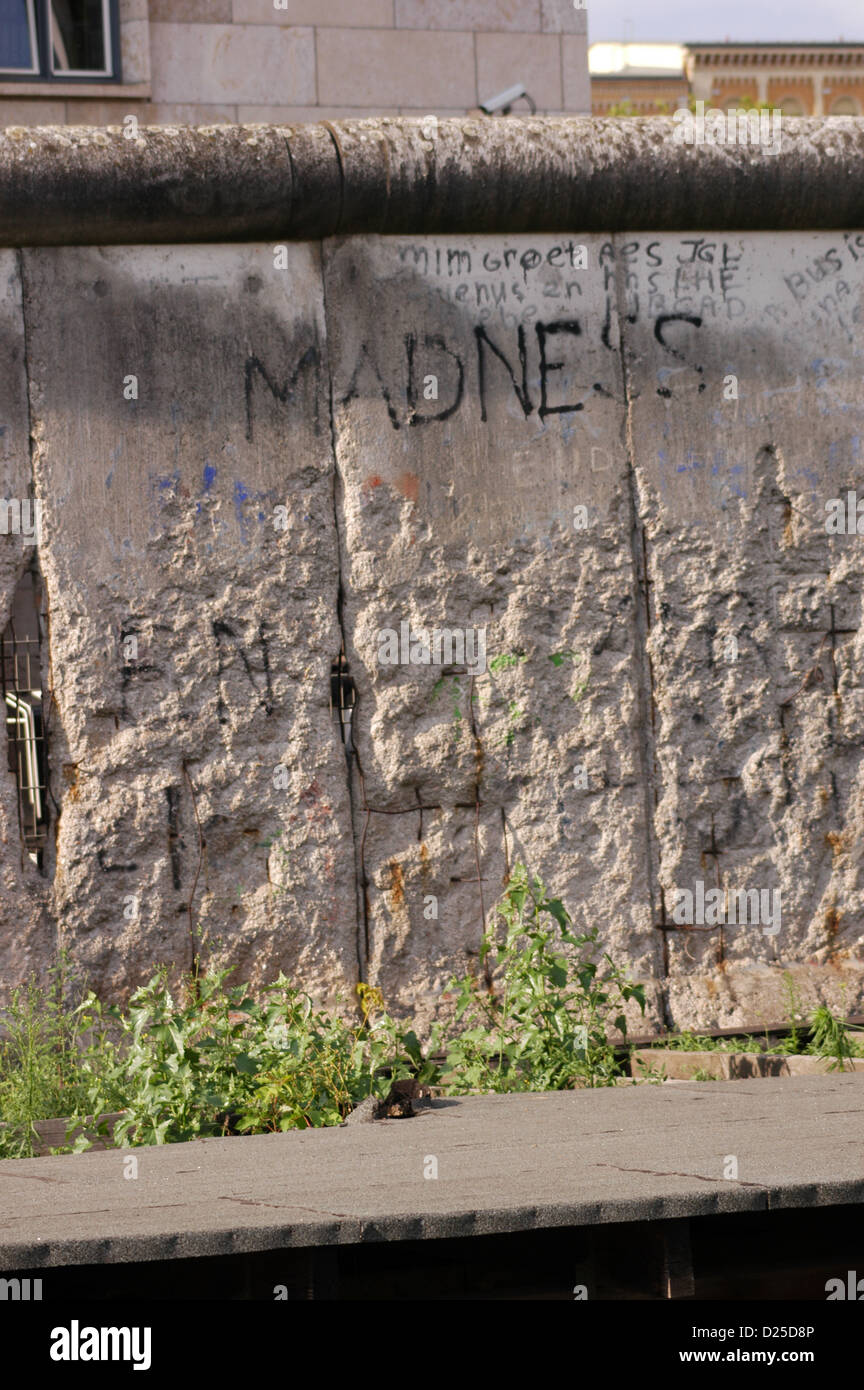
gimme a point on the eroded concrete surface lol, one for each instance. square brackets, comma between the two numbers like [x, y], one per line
[487, 433]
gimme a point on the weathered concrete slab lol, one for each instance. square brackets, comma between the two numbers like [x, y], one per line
[425, 906]
[746, 415]
[504, 1163]
[193, 623]
[669, 689]
[478, 420]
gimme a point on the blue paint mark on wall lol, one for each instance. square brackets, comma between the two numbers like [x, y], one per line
[156, 486]
[693, 464]
[209, 476]
[241, 495]
[810, 474]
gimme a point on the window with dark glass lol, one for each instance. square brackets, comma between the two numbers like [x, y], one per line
[59, 40]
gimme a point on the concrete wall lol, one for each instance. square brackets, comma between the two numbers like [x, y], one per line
[616, 465]
[203, 62]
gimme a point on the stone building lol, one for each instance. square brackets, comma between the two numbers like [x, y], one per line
[802, 79]
[201, 62]
[644, 78]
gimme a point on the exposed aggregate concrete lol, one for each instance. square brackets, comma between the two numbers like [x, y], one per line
[610, 741]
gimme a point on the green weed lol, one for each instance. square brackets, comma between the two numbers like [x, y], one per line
[543, 1024]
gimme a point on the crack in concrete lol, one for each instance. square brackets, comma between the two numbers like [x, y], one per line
[698, 1177]
[644, 669]
[361, 895]
[33, 1177]
[275, 1206]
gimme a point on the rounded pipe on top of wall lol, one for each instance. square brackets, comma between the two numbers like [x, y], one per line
[67, 185]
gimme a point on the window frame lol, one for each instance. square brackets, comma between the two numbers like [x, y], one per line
[39, 18]
[27, 74]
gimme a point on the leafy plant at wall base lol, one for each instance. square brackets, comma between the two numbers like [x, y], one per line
[209, 1059]
[224, 1063]
[651, 1076]
[794, 1013]
[543, 1024]
[830, 1038]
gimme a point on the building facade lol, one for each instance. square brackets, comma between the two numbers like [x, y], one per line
[637, 79]
[802, 79]
[199, 62]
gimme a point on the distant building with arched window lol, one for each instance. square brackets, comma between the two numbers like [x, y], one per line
[802, 79]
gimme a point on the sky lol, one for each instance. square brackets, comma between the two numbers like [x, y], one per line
[680, 21]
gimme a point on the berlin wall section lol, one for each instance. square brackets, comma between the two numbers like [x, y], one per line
[479, 424]
[744, 366]
[249, 456]
[191, 567]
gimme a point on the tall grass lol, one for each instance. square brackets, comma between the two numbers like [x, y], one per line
[44, 1035]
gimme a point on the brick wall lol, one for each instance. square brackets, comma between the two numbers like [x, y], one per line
[843, 90]
[735, 90]
[783, 91]
[647, 97]
[204, 62]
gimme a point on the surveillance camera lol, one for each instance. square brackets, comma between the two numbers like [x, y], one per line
[504, 100]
